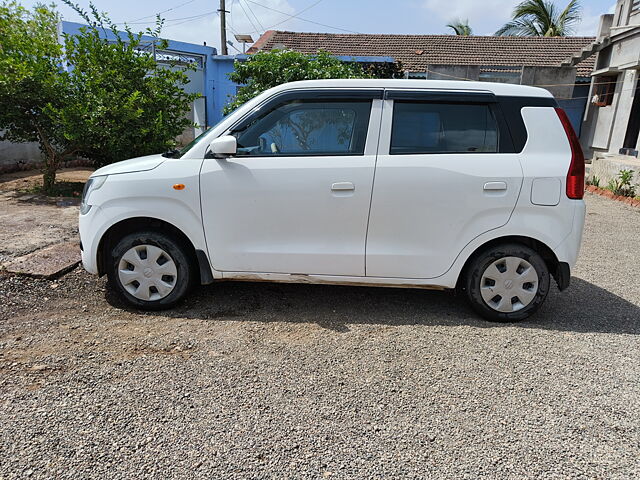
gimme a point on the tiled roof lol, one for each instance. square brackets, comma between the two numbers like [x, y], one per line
[417, 51]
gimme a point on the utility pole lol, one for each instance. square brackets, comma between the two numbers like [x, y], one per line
[223, 28]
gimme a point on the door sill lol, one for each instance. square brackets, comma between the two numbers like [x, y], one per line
[333, 280]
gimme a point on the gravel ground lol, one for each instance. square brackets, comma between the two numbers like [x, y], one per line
[299, 381]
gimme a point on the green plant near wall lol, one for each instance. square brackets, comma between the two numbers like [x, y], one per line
[623, 184]
[594, 180]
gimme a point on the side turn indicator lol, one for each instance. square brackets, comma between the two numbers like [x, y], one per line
[179, 186]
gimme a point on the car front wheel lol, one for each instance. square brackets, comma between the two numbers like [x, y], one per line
[507, 283]
[150, 270]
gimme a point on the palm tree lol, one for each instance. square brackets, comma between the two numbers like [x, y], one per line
[460, 27]
[540, 18]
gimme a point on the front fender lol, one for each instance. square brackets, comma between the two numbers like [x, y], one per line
[148, 195]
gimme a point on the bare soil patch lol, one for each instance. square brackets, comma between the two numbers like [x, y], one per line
[32, 221]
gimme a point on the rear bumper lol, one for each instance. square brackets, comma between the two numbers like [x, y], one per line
[567, 251]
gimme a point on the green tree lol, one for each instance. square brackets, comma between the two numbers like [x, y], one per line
[121, 102]
[461, 28]
[30, 59]
[265, 70]
[541, 18]
[103, 99]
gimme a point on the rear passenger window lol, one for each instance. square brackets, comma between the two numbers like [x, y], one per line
[422, 127]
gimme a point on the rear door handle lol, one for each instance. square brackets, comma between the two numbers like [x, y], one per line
[492, 186]
[342, 186]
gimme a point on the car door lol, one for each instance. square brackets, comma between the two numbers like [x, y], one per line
[295, 198]
[444, 175]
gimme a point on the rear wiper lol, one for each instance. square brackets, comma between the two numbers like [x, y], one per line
[172, 153]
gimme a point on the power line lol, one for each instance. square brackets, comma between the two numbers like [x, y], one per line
[295, 15]
[231, 17]
[252, 13]
[163, 11]
[192, 17]
[299, 18]
[248, 17]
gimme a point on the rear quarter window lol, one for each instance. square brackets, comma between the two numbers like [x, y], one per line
[424, 127]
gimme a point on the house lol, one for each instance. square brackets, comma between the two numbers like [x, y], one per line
[612, 119]
[521, 60]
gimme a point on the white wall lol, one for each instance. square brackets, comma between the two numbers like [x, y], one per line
[15, 156]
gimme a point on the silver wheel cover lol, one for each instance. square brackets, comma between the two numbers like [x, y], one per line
[147, 272]
[509, 284]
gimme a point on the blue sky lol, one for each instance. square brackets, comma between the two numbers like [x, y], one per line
[196, 21]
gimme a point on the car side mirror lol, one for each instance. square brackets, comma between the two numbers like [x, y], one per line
[223, 147]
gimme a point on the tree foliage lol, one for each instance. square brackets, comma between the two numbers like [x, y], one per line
[264, 70]
[102, 97]
[541, 18]
[122, 103]
[30, 58]
[461, 27]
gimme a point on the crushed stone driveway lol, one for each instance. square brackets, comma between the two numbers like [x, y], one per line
[256, 380]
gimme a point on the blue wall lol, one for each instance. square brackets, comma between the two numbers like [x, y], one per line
[219, 85]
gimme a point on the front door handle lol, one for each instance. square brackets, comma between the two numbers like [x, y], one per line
[493, 186]
[342, 186]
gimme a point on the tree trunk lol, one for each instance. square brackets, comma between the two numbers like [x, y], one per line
[49, 176]
[51, 162]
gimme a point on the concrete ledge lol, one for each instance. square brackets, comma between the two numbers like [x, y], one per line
[50, 262]
[608, 167]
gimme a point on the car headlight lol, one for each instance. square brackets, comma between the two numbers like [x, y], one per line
[93, 184]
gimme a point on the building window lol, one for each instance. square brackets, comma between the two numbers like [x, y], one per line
[619, 15]
[603, 90]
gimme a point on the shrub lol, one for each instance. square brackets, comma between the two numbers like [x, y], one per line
[622, 185]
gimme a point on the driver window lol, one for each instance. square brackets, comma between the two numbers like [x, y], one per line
[307, 127]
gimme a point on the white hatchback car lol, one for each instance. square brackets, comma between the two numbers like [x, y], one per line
[424, 184]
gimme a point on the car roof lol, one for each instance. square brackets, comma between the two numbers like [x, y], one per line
[500, 89]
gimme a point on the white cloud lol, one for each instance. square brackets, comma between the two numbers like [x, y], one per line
[485, 16]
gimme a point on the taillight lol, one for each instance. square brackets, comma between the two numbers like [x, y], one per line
[575, 176]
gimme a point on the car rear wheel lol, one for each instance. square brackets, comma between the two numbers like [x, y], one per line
[150, 270]
[507, 283]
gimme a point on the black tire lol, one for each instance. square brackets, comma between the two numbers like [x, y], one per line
[484, 260]
[177, 253]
